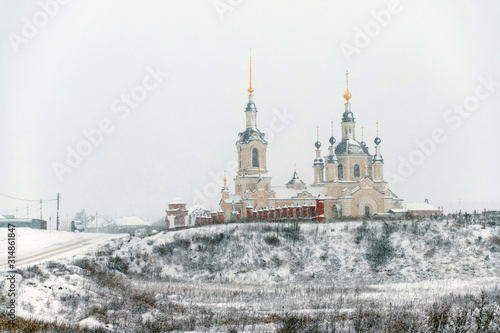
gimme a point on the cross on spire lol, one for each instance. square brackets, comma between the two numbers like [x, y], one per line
[347, 94]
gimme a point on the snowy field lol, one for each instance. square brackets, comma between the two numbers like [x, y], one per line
[260, 277]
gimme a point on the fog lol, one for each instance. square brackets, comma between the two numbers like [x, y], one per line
[121, 106]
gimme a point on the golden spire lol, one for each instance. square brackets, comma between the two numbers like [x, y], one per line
[225, 180]
[317, 132]
[362, 133]
[250, 90]
[332, 127]
[347, 94]
[377, 128]
[295, 168]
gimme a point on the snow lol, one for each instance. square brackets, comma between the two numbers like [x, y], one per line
[431, 260]
[130, 220]
[34, 245]
[419, 206]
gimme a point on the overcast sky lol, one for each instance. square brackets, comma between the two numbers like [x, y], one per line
[426, 70]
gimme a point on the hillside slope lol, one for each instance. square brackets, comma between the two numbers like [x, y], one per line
[263, 277]
[263, 253]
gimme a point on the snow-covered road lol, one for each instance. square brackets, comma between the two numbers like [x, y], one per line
[33, 246]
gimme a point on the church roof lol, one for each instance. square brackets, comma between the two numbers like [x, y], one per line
[287, 193]
[295, 180]
[419, 206]
[251, 134]
[351, 147]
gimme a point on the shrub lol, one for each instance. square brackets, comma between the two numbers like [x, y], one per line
[272, 240]
[118, 264]
[164, 249]
[379, 251]
[211, 240]
[298, 324]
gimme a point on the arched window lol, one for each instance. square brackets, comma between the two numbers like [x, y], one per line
[341, 171]
[356, 170]
[367, 211]
[179, 220]
[255, 157]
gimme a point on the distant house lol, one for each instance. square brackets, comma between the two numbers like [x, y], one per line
[177, 214]
[198, 215]
[417, 209]
[22, 223]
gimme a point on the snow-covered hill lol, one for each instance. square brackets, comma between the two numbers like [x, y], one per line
[262, 277]
[264, 253]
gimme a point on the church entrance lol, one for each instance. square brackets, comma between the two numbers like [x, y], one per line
[367, 211]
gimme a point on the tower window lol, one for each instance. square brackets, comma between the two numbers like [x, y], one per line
[341, 171]
[367, 211]
[349, 131]
[255, 158]
[356, 170]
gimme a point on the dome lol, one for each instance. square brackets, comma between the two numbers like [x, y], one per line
[332, 140]
[377, 140]
[347, 116]
[317, 144]
[347, 96]
[351, 147]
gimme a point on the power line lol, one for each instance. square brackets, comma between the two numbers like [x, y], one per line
[38, 200]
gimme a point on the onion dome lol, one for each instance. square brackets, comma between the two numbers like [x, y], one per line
[377, 140]
[347, 96]
[332, 140]
[317, 144]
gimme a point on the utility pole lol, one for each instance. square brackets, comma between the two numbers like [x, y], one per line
[57, 219]
[40, 209]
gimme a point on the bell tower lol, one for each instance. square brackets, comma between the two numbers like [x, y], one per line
[348, 123]
[252, 148]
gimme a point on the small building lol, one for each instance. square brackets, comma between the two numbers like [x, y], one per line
[422, 209]
[198, 215]
[176, 214]
[23, 223]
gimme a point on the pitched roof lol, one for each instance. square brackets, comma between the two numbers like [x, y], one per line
[419, 206]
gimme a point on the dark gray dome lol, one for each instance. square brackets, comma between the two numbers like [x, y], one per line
[347, 117]
[317, 144]
[377, 140]
[351, 147]
[332, 140]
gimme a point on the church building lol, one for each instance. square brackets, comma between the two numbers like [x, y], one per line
[348, 180]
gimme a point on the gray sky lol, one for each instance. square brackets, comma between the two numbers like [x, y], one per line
[417, 67]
